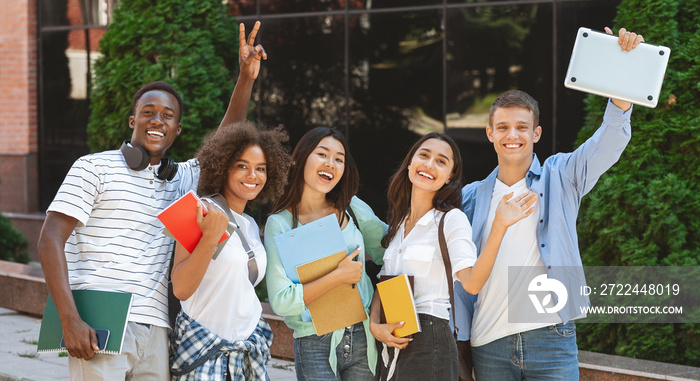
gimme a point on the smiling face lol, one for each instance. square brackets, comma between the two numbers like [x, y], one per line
[325, 166]
[155, 123]
[431, 165]
[513, 134]
[246, 178]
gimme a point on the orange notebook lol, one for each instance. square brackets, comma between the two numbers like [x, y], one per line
[398, 304]
[180, 220]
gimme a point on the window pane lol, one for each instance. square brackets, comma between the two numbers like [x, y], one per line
[242, 7]
[570, 16]
[76, 12]
[299, 6]
[302, 82]
[396, 92]
[480, 2]
[64, 104]
[397, 65]
[378, 4]
[79, 63]
[491, 50]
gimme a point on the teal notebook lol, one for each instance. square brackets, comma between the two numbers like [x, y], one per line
[99, 309]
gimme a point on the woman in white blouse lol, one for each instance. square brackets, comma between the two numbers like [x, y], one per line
[220, 331]
[427, 185]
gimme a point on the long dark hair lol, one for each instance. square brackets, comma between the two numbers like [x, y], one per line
[340, 195]
[399, 193]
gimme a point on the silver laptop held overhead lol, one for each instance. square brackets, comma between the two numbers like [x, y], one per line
[599, 66]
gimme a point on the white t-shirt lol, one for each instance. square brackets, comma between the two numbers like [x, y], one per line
[118, 243]
[225, 301]
[519, 248]
[418, 254]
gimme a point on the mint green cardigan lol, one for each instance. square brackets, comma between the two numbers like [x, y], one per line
[287, 298]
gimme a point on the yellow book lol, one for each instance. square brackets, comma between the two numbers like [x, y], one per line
[398, 304]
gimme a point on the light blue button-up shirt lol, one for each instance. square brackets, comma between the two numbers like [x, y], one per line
[560, 184]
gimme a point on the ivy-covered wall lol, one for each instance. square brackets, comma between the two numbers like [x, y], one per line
[645, 211]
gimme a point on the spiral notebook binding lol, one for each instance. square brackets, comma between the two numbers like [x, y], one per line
[64, 350]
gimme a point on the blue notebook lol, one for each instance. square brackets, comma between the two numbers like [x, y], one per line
[307, 243]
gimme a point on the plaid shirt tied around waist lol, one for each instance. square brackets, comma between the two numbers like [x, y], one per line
[199, 354]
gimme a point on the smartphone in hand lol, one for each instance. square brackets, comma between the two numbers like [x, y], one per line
[102, 337]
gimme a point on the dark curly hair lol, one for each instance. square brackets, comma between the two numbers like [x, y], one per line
[222, 148]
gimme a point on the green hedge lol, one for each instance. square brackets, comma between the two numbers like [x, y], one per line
[192, 44]
[13, 245]
[644, 211]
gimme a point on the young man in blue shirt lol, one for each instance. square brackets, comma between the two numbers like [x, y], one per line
[541, 243]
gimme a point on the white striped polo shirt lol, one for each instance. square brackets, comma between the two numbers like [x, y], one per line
[118, 243]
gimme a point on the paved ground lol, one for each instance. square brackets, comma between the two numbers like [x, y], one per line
[20, 362]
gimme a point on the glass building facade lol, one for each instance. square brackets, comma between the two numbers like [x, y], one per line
[382, 71]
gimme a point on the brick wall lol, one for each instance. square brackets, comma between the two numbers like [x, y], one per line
[18, 108]
[18, 77]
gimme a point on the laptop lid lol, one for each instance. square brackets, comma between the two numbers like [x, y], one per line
[599, 66]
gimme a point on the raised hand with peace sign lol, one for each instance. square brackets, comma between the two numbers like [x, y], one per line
[249, 56]
[249, 59]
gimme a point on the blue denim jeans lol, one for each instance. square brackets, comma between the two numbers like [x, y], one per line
[311, 357]
[548, 353]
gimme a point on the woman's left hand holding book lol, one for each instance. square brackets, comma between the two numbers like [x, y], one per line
[385, 332]
[213, 221]
[188, 269]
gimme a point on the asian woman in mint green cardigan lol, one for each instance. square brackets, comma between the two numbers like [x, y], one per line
[324, 180]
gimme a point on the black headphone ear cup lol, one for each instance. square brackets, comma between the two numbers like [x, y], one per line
[137, 158]
[168, 169]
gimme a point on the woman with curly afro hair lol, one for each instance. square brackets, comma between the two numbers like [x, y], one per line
[220, 328]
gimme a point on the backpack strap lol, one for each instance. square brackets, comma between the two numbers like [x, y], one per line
[464, 349]
[252, 265]
[448, 268]
[371, 268]
[354, 219]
